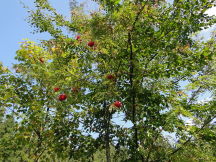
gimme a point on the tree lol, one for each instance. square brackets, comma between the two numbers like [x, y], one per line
[130, 59]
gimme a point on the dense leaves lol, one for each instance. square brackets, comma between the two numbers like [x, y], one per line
[131, 75]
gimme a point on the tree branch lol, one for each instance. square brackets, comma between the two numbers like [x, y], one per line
[209, 120]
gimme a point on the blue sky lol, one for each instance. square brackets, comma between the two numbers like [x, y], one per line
[14, 28]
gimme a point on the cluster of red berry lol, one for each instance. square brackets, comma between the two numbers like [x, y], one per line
[63, 96]
[90, 43]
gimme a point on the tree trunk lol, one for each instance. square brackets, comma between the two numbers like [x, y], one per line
[133, 93]
[107, 132]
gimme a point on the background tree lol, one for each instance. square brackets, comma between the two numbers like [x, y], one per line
[129, 59]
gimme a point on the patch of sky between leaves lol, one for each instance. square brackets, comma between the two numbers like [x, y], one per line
[206, 33]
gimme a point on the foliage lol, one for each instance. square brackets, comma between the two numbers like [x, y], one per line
[147, 50]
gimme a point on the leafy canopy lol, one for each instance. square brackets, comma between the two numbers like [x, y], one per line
[139, 53]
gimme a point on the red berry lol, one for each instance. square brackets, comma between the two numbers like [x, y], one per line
[56, 89]
[110, 77]
[62, 97]
[117, 104]
[78, 37]
[91, 44]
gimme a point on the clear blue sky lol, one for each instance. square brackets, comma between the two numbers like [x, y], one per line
[14, 28]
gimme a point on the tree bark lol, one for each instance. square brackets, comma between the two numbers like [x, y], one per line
[133, 93]
[107, 132]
